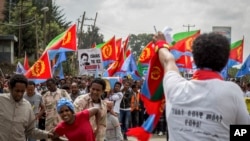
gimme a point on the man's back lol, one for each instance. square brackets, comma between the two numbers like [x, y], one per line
[202, 109]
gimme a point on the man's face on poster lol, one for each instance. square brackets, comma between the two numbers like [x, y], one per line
[84, 60]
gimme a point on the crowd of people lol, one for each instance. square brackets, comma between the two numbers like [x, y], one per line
[90, 109]
[118, 108]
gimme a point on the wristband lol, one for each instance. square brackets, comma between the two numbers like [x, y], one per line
[161, 44]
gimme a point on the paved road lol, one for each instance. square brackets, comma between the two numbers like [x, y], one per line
[153, 138]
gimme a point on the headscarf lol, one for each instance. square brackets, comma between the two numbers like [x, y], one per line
[64, 102]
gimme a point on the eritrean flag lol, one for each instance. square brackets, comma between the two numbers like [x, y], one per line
[64, 42]
[115, 66]
[108, 51]
[183, 43]
[152, 96]
[41, 70]
[147, 53]
[236, 53]
[118, 47]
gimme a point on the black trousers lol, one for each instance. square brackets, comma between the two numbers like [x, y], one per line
[137, 118]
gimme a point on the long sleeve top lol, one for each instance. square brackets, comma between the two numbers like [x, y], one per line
[116, 98]
[17, 120]
[84, 102]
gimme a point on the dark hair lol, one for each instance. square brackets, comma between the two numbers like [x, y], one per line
[17, 78]
[248, 84]
[211, 51]
[52, 80]
[118, 83]
[133, 86]
[99, 81]
[66, 87]
[85, 54]
[31, 83]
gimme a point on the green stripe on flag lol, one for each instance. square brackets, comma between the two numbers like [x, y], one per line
[182, 35]
[100, 45]
[158, 93]
[55, 40]
[236, 44]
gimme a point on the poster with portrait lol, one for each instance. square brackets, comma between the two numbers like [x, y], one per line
[90, 61]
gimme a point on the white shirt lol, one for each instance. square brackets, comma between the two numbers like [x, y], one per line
[247, 94]
[83, 91]
[116, 98]
[202, 110]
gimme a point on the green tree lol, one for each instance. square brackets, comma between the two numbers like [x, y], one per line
[91, 36]
[25, 17]
[138, 42]
[232, 72]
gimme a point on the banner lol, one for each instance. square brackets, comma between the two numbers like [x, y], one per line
[224, 30]
[90, 60]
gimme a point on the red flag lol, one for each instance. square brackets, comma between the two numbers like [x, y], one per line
[108, 50]
[112, 68]
[147, 53]
[41, 69]
[152, 97]
[116, 65]
[236, 52]
[121, 61]
[26, 62]
[184, 41]
[118, 46]
[125, 44]
[66, 40]
[93, 45]
[184, 62]
[128, 52]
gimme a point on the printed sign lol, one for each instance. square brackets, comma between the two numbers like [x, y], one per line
[90, 61]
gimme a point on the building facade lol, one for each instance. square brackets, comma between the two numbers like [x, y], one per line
[2, 2]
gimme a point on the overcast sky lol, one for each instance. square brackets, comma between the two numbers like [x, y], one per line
[124, 17]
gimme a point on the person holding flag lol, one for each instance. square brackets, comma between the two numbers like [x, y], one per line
[202, 108]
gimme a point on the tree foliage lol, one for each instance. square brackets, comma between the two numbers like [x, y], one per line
[90, 37]
[25, 17]
[138, 42]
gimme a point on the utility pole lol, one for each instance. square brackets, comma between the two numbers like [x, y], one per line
[188, 26]
[93, 27]
[44, 10]
[95, 19]
[36, 54]
[20, 30]
[81, 31]
[80, 34]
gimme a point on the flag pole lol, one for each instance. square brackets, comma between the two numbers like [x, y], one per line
[155, 29]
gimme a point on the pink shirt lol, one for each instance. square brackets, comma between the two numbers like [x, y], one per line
[80, 130]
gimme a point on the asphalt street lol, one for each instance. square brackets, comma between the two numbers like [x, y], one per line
[153, 138]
